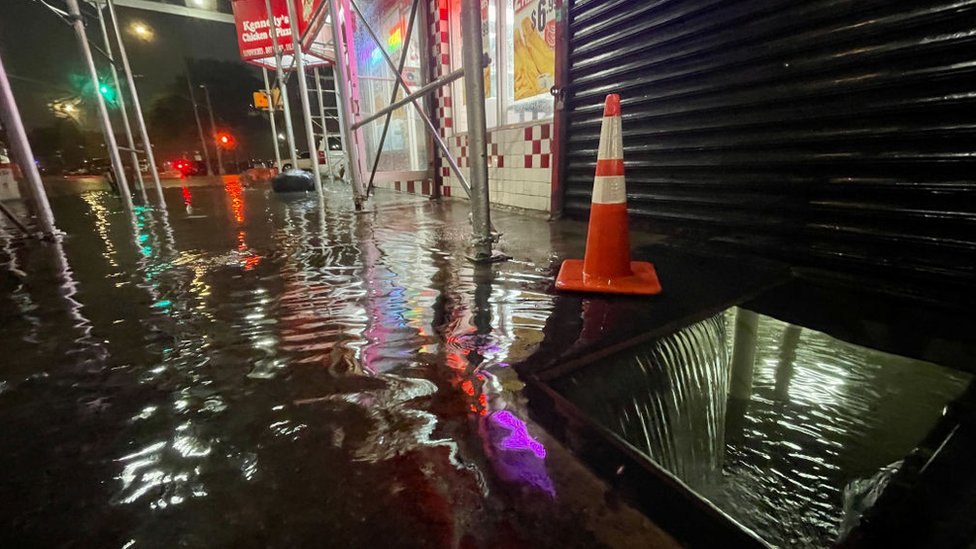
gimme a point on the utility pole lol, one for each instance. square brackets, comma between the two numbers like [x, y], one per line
[133, 155]
[196, 116]
[137, 108]
[213, 128]
[23, 155]
[112, 147]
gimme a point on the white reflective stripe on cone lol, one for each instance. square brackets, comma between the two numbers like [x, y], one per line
[611, 142]
[609, 189]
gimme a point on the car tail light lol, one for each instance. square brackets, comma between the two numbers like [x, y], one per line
[321, 156]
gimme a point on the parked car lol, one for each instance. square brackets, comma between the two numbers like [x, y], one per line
[337, 161]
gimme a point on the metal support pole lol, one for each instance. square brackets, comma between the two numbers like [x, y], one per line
[474, 96]
[313, 155]
[325, 128]
[345, 108]
[137, 108]
[103, 119]
[213, 129]
[393, 96]
[271, 117]
[196, 116]
[133, 153]
[420, 110]
[289, 130]
[23, 155]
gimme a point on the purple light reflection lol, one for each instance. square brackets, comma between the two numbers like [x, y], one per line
[519, 438]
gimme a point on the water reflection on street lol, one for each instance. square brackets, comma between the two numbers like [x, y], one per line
[255, 370]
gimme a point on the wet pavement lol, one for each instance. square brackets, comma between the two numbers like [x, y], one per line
[265, 370]
[262, 370]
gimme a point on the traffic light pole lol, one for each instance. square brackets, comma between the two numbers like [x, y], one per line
[196, 116]
[20, 146]
[133, 154]
[271, 117]
[313, 154]
[110, 144]
[144, 134]
[213, 129]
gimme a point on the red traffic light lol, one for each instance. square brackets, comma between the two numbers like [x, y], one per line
[225, 140]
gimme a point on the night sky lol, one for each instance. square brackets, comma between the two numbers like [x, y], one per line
[38, 46]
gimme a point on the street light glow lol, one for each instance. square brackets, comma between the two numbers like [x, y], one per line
[141, 31]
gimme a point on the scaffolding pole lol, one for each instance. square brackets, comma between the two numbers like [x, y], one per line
[474, 96]
[345, 108]
[271, 118]
[313, 155]
[289, 130]
[133, 153]
[21, 148]
[325, 129]
[136, 107]
[112, 147]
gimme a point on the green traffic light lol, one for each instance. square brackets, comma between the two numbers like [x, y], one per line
[107, 92]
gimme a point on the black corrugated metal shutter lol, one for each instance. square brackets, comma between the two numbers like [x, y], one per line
[837, 135]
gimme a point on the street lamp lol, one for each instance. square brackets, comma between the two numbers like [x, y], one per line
[141, 31]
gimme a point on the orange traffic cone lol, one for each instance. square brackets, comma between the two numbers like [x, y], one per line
[607, 267]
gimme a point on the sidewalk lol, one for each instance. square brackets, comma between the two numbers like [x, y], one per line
[256, 369]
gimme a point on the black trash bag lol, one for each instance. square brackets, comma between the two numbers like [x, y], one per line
[293, 181]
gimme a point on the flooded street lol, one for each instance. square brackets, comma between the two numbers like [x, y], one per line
[261, 370]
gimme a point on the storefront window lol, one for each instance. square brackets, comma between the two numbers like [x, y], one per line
[490, 21]
[523, 62]
[529, 60]
[405, 147]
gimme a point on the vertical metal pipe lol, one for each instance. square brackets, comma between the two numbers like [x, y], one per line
[342, 95]
[133, 155]
[289, 130]
[325, 128]
[474, 95]
[136, 107]
[23, 155]
[103, 119]
[196, 116]
[271, 117]
[313, 155]
[213, 129]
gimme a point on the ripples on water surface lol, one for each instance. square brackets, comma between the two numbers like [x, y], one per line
[238, 373]
[819, 414]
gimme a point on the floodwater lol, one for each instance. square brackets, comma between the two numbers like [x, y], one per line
[275, 371]
[256, 370]
[775, 440]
